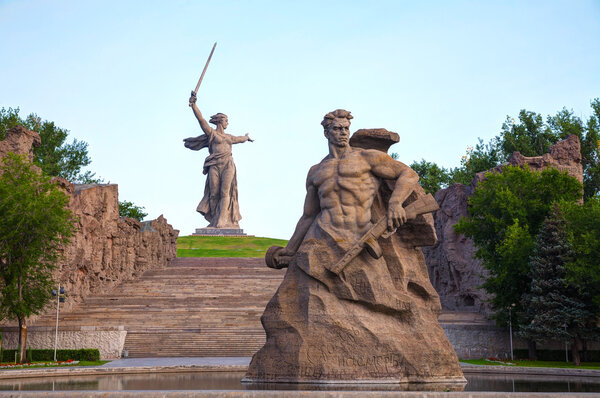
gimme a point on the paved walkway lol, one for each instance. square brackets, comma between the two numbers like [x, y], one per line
[137, 366]
[178, 361]
[240, 364]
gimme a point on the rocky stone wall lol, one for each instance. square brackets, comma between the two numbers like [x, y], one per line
[453, 271]
[19, 140]
[106, 249]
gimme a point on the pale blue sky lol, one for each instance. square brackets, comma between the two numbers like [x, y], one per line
[118, 74]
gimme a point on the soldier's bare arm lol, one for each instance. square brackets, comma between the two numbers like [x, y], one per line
[203, 123]
[385, 167]
[311, 210]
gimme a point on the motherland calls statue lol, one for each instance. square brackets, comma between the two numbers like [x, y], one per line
[356, 304]
[220, 202]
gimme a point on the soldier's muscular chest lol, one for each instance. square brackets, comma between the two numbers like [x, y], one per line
[334, 173]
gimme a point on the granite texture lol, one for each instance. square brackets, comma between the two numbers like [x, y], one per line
[21, 141]
[373, 319]
[106, 249]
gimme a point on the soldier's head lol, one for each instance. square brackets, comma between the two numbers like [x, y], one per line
[219, 119]
[337, 127]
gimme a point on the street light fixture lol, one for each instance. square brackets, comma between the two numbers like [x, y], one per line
[566, 344]
[512, 358]
[60, 294]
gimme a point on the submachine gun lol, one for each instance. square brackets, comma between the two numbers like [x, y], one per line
[424, 204]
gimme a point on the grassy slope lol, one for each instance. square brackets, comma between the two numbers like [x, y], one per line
[219, 246]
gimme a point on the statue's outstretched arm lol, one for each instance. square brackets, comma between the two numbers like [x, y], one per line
[240, 139]
[203, 123]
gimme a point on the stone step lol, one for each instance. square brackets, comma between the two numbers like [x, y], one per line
[145, 345]
[192, 307]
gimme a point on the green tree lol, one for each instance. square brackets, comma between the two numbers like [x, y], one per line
[35, 225]
[505, 213]
[591, 153]
[529, 135]
[128, 209]
[481, 158]
[532, 137]
[8, 118]
[431, 177]
[583, 225]
[565, 123]
[55, 156]
[555, 309]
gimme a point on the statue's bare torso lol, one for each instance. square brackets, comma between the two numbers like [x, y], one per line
[221, 142]
[341, 189]
[346, 188]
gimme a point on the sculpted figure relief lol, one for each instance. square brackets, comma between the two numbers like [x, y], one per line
[219, 204]
[341, 189]
[350, 315]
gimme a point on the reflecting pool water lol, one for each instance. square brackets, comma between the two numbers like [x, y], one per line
[231, 381]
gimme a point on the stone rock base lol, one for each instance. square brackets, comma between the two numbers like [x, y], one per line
[368, 388]
[314, 337]
[209, 231]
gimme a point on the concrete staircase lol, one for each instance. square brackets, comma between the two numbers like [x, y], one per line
[200, 307]
[204, 307]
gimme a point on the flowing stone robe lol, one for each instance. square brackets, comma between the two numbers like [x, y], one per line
[220, 162]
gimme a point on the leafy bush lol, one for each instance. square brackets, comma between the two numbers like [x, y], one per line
[128, 209]
[82, 354]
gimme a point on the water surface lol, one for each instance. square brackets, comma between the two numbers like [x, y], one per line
[232, 381]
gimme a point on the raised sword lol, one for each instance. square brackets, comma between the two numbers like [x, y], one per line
[194, 92]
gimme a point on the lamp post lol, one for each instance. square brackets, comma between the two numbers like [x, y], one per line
[60, 298]
[512, 358]
[566, 345]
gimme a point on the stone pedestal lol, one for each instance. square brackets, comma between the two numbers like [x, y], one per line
[219, 232]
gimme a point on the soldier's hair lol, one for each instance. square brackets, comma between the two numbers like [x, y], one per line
[337, 114]
[218, 118]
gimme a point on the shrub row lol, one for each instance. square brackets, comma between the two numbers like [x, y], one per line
[558, 355]
[82, 354]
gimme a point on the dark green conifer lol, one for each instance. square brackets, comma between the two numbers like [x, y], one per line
[554, 308]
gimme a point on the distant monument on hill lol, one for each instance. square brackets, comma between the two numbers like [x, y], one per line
[219, 205]
[356, 304]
